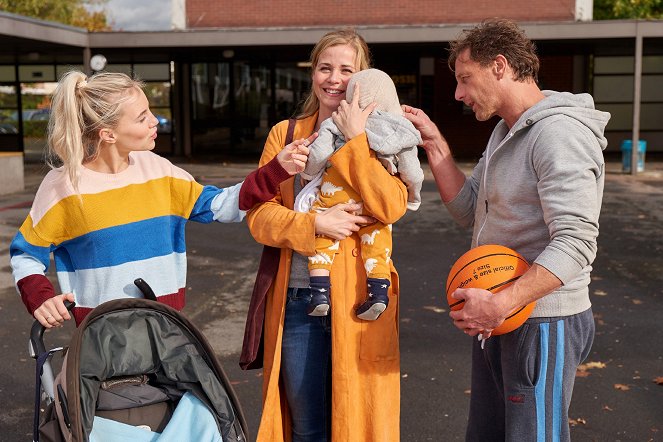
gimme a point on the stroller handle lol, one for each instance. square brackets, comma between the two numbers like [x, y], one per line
[37, 351]
[37, 346]
[145, 289]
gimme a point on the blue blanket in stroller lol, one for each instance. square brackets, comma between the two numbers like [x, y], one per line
[191, 420]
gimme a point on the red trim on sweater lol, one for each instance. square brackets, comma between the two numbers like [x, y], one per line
[262, 184]
[34, 290]
[174, 300]
[80, 313]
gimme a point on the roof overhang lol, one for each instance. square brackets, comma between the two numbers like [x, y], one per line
[18, 33]
[25, 28]
[373, 34]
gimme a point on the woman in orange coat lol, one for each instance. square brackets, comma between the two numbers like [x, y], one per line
[336, 377]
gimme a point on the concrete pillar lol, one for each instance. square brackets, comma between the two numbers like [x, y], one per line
[11, 172]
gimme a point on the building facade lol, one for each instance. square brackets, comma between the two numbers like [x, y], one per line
[291, 13]
[229, 70]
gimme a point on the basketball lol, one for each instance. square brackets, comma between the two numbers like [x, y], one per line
[493, 268]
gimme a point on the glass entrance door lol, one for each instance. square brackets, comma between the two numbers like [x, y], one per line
[232, 107]
[211, 107]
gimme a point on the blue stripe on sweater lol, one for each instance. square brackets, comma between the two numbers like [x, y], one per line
[558, 383]
[120, 244]
[20, 246]
[202, 209]
[540, 389]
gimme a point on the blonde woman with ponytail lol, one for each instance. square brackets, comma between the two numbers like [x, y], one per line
[111, 210]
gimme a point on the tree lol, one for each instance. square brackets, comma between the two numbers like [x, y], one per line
[69, 12]
[625, 9]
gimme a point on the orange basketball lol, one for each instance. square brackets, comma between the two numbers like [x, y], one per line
[490, 267]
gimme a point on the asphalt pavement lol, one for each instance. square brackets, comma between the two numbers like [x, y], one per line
[619, 391]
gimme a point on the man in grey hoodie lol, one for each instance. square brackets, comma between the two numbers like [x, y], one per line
[538, 190]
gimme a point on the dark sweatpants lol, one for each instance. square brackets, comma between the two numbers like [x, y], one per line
[522, 381]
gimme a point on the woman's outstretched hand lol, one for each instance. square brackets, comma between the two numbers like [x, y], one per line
[350, 118]
[293, 156]
[339, 222]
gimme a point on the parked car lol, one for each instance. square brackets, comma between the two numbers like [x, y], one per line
[9, 125]
[164, 126]
[32, 115]
[36, 114]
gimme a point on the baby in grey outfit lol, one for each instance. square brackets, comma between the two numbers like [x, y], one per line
[395, 141]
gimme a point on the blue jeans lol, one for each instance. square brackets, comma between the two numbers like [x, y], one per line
[306, 369]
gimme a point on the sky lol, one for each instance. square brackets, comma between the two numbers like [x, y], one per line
[139, 15]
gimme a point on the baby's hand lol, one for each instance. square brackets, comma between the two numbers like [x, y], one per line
[293, 157]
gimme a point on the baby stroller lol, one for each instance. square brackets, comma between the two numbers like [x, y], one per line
[135, 370]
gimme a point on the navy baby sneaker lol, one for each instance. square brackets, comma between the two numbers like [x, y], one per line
[377, 301]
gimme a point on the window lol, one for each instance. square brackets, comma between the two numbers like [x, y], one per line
[613, 91]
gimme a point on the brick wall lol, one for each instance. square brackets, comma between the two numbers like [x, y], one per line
[252, 13]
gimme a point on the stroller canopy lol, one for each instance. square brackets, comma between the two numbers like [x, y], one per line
[128, 337]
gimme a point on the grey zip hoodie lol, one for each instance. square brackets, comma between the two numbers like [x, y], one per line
[538, 189]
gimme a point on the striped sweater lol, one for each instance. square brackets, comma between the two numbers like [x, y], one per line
[121, 227]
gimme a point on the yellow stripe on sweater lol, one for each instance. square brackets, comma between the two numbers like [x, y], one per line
[71, 218]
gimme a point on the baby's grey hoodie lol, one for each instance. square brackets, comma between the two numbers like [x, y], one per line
[538, 189]
[392, 137]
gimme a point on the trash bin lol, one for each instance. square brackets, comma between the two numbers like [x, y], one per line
[626, 155]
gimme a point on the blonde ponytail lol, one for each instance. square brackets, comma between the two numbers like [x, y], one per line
[65, 135]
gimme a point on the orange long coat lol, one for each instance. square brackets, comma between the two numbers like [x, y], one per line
[365, 355]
